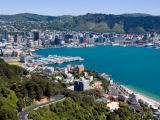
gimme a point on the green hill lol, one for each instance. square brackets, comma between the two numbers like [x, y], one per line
[33, 17]
[126, 23]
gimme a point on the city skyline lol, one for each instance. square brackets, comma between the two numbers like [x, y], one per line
[79, 7]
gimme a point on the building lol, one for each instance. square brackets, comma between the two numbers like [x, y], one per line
[113, 91]
[7, 53]
[64, 70]
[135, 109]
[87, 35]
[37, 35]
[113, 106]
[119, 40]
[31, 44]
[81, 84]
[79, 68]
[39, 42]
[5, 34]
[49, 70]
[67, 37]
[134, 96]
[91, 40]
[157, 114]
[15, 38]
[57, 41]
[23, 58]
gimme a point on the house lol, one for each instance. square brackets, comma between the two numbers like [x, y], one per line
[122, 98]
[135, 103]
[69, 75]
[135, 109]
[105, 95]
[102, 100]
[90, 78]
[79, 68]
[113, 106]
[58, 78]
[99, 87]
[134, 96]
[85, 74]
[157, 114]
[69, 80]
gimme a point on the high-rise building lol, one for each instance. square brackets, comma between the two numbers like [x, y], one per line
[57, 41]
[37, 35]
[87, 35]
[81, 85]
[5, 34]
[15, 38]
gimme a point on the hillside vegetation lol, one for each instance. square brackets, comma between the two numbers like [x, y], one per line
[125, 23]
[17, 91]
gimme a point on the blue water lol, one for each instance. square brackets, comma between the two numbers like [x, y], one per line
[136, 68]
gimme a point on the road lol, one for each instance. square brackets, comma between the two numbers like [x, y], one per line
[124, 93]
[23, 115]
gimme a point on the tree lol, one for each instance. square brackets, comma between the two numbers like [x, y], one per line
[20, 104]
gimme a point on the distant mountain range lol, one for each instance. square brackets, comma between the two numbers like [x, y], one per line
[136, 23]
[33, 17]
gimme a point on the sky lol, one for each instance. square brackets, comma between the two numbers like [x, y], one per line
[79, 7]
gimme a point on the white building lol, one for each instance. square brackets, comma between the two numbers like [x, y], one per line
[49, 70]
[31, 44]
[90, 78]
[64, 70]
[58, 78]
[113, 106]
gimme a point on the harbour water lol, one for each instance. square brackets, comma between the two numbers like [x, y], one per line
[136, 68]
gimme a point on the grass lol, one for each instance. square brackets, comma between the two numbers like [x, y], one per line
[14, 63]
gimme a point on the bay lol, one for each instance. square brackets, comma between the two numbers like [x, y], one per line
[136, 68]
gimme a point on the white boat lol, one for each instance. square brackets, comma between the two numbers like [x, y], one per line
[115, 44]
[122, 45]
[149, 44]
[157, 48]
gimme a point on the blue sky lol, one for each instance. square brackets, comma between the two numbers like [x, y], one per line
[79, 7]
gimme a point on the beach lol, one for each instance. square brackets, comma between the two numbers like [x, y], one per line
[142, 97]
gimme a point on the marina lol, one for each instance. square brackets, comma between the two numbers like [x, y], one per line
[55, 59]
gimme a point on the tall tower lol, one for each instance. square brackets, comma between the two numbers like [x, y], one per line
[37, 35]
[15, 38]
[5, 34]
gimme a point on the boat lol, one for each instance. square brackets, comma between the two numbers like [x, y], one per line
[149, 44]
[122, 45]
[115, 44]
[137, 46]
[157, 48]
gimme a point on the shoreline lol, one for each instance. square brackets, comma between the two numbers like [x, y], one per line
[142, 97]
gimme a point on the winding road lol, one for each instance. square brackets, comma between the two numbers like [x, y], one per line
[23, 115]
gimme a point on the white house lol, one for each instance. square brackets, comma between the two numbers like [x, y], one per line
[58, 78]
[113, 106]
[69, 80]
[90, 78]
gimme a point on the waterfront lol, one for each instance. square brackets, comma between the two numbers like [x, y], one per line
[136, 68]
